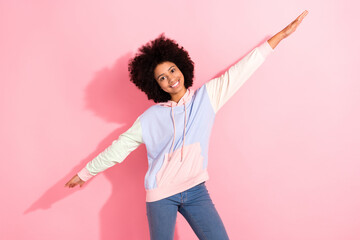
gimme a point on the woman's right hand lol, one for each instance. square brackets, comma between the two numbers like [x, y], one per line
[74, 181]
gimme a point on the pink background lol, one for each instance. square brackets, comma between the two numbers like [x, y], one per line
[284, 151]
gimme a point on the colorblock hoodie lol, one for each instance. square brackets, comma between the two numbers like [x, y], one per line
[177, 135]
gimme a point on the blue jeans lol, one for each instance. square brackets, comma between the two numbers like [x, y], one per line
[197, 208]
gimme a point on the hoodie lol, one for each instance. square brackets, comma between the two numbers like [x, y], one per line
[176, 135]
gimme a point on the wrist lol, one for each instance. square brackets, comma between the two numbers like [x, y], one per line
[274, 40]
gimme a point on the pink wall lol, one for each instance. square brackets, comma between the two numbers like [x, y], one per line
[284, 157]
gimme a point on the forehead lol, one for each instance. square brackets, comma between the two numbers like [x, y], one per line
[163, 68]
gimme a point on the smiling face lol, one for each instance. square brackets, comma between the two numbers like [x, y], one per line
[170, 79]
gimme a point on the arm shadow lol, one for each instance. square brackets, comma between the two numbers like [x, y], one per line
[124, 213]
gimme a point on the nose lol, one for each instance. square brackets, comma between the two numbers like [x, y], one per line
[172, 79]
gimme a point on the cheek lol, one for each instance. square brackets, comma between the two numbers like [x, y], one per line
[183, 78]
[163, 86]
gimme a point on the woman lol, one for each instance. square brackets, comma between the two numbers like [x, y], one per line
[176, 133]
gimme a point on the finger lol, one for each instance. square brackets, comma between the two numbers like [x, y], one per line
[301, 16]
[69, 183]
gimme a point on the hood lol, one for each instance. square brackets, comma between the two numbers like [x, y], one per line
[186, 98]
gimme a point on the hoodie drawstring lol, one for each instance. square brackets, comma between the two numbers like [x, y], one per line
[182, 148]
[186, 98]
[173, 120]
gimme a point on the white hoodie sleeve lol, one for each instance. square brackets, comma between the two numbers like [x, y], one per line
[221, 89]
[115, 153]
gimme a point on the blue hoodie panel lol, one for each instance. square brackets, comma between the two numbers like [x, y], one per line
[158, 130]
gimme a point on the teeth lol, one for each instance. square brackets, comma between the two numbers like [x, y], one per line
[175, 84]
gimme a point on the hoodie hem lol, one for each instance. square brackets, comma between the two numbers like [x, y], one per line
[159, 193]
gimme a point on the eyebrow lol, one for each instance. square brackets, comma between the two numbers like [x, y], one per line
[168, 70]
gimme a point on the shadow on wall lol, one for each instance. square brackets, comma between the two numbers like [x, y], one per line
[112, 97]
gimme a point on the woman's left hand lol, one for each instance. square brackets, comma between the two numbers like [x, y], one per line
[289, 29]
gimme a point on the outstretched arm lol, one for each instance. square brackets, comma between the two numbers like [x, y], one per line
[115, 153]
[221, 89]
[289, 29]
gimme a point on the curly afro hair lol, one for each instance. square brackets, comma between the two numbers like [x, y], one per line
[141, 67]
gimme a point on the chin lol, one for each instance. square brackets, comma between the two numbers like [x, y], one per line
[182, 88]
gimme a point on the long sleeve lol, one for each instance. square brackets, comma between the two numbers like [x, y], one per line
[221, 89]
[115, 153]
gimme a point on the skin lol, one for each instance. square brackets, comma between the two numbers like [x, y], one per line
[172, 74]
[167, 74]
[287, 31]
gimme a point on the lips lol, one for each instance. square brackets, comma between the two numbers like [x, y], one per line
[175, 84]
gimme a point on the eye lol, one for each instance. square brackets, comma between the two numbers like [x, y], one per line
[162, 78]
[172, 70]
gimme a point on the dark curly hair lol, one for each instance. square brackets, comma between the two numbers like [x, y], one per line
[141, 67]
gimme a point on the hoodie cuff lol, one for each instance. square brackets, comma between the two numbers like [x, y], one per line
[84, 174]
[265, 49]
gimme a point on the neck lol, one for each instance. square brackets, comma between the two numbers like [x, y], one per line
[177, 96]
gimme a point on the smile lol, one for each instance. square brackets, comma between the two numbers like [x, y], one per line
[177, 83]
